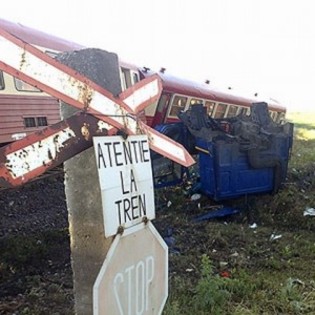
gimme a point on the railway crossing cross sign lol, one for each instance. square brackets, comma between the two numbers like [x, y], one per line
[28, 158]
[139, 284]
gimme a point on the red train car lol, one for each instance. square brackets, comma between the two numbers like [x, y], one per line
[179, 94]
[25, 109]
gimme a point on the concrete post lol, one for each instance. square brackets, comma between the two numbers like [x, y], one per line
[88, 244]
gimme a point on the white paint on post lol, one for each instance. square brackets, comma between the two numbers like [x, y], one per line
[125, 175]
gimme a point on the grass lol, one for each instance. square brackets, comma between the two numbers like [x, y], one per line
[304, 124]
[215, 267]
[238, 270]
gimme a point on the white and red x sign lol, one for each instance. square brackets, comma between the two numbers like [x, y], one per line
[34, 154]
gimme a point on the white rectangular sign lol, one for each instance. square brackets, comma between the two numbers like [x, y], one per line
[125, 175]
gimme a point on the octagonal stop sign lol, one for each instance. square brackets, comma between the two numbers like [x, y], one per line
[134, 277]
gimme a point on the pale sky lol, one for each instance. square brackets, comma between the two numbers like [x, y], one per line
[264, 46]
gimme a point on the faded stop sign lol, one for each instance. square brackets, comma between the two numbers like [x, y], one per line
[134, 277]
[125, 175]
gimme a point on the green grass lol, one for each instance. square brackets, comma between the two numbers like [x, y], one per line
[221, 267]
[265, 277]
[304, 123]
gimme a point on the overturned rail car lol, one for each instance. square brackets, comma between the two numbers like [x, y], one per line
[237, 156]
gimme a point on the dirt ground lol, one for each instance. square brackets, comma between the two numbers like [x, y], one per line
[35, 268]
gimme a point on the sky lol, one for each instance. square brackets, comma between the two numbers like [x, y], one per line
[253, 46]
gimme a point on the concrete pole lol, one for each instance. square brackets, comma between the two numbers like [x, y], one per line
[88, 244]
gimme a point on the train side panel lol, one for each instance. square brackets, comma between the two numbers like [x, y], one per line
[24, 109]
[22, 115]
[180, 95]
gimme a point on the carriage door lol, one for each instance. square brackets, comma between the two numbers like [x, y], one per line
[161, 110]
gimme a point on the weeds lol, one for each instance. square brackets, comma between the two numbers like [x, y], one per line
[274, 277]
[262, 277]
[211, 292]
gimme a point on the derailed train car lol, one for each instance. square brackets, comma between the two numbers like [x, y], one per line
[242, 155]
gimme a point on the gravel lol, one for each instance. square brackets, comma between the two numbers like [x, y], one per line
[34, 207]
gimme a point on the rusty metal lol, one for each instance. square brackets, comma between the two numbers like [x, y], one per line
[86, 95]
[16, 159]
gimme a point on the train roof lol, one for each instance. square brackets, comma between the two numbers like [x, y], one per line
[42, 39]
[38, 38]
[170, 82]
[206, 91]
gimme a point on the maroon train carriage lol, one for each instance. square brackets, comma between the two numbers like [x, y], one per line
[179, 94]
[25, 109]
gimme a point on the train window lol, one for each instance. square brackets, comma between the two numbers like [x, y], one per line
[128, 77]
[125, 78]
[220, 110]
[1, 81]
[41, 121]
[29, 122]
[272, 114]
[135, 77]
[281, 117]
[232, 111]
[178, 104]
[162, 102]
[243, 111]
[210, 107]
[23, 86]
[275, 116]
[195, 101]
[50, 53]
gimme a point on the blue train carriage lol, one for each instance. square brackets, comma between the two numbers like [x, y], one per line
[249, 156]
[237, 156]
